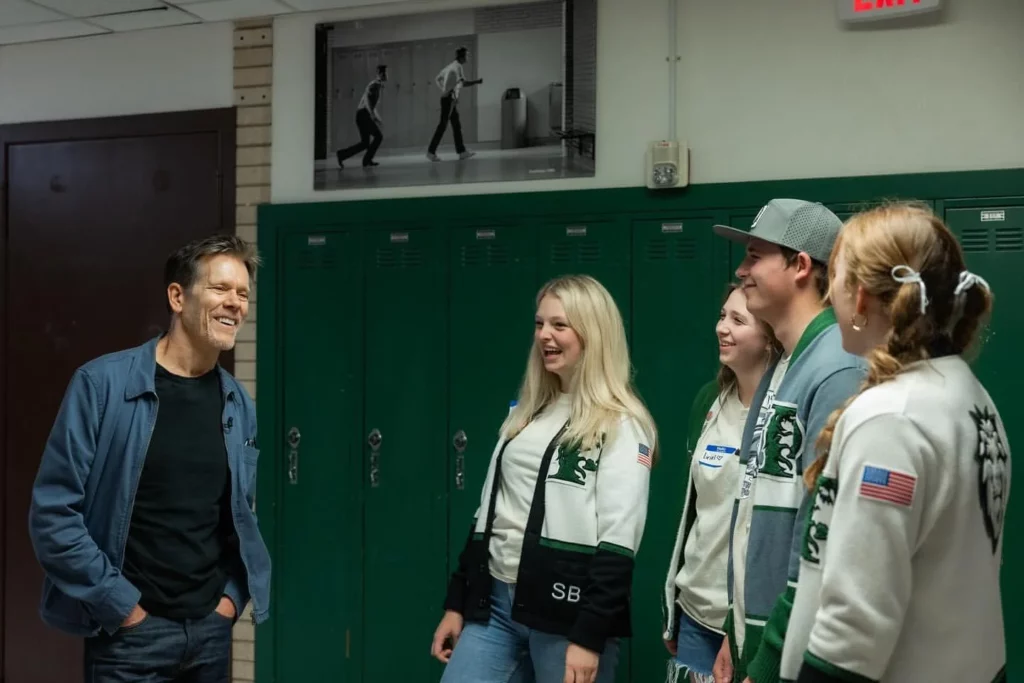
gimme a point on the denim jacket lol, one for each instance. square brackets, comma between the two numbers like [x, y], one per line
[85, 489]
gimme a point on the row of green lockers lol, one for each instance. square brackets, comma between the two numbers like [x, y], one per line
[408, 334]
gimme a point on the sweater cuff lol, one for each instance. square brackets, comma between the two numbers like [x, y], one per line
[590, 631]
[455, 599]
[764, 667]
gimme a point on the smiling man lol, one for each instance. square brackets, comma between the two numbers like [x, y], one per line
[784, 276]
[142, 511]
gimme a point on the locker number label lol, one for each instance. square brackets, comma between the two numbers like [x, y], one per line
[993, 216]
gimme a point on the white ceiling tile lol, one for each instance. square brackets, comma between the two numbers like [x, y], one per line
[142, 20]
[48, 31]
[15, 12]
[92, 8]
[227, 10]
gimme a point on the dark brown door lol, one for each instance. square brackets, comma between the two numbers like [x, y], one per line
[92, 210]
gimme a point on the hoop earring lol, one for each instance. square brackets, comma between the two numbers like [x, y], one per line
[857, 327]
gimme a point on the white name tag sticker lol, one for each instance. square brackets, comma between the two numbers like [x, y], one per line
[714, 456]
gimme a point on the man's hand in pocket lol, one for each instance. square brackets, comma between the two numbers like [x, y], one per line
[226, 608]
[136, 617]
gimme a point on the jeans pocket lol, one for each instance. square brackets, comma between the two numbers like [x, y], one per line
[134, 627]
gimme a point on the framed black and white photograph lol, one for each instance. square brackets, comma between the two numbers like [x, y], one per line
[487, 94]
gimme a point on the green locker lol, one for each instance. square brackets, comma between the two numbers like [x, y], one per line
[680, 270]
[318, 575]
[405, 399]
[596, 248]
[992, 238]
[491, 309]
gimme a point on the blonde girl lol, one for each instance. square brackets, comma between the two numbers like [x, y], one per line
[542, 590]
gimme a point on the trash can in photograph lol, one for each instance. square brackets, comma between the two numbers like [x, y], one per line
[513, 119]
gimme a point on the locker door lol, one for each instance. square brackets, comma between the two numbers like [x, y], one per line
[599, 249]
[470, 101]
[318, 572]
[345, 99]
[424, 94]
[493, 273]
[405, 449]
[391, 102]
[680, 271]
[993, 242]
[596, 248]
[402, 91]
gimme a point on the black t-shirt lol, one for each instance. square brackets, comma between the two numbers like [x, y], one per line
[181, 538]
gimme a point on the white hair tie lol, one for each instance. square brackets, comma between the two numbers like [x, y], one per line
[967, 280]
[914, 277]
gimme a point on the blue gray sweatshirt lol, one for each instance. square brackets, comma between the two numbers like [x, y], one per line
[778, 445]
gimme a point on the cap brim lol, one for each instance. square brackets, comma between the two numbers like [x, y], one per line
[732, 234]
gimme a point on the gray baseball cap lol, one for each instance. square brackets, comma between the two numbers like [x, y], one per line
[804, 226]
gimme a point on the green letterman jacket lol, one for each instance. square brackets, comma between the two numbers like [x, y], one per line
[585, 524]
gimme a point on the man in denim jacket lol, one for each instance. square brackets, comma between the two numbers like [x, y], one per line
[142, 513]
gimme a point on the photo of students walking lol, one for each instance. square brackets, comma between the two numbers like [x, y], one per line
[368, 121]
[451, 80]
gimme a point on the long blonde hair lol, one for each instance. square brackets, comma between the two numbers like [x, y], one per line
[905, 234]
[601, 387]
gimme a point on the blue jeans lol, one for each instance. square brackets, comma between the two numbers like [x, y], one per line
[503, 651]
[159, 650]
[696, 650]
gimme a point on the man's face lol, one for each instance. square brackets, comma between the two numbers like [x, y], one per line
[766, 280]
[214, 309]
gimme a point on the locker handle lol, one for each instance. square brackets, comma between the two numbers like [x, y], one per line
[374, 440]
[460, 459]
[294, 437]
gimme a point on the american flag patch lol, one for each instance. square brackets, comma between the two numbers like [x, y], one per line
[644, 456]
[879, 483]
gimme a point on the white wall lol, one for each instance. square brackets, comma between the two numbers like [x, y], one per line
[169, 69]
[779, 94]
[530, 60]
[765, 90]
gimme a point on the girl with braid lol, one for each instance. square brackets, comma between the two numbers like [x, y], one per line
[899, 575]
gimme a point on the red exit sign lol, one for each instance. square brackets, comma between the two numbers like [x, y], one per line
[874, 10]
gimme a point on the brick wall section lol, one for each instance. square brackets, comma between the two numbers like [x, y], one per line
[518, 17]
[254, 58]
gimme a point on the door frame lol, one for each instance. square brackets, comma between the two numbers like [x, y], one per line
[277, 221]
[221, 121]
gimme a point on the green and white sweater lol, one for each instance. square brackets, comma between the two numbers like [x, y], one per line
[899, 575]
[709, 607]
[778, 445]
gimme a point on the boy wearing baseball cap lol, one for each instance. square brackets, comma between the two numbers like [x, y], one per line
[785, 278]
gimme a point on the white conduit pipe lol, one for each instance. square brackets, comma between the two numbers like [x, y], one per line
[673, 59]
